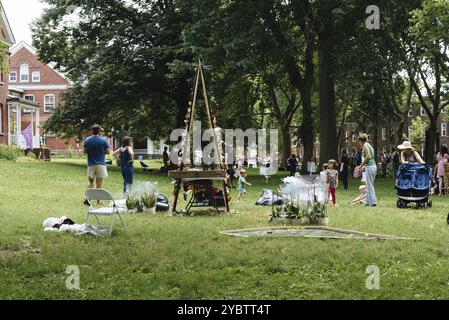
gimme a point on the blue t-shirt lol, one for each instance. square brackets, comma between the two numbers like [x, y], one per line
[96, 147]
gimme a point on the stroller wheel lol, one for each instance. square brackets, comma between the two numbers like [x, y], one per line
[448, 219]
[400, 204]
[429, 203]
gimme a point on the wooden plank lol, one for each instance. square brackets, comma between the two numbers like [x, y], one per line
[176, 174]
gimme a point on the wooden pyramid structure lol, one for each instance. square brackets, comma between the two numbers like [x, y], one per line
[183, 174]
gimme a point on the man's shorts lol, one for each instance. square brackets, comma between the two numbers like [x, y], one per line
[97, 172]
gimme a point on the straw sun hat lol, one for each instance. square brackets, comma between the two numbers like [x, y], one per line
[406, 145]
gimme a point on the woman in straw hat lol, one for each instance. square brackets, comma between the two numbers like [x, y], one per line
[409, 154]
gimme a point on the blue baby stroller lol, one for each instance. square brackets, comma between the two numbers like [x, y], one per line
[414, 184]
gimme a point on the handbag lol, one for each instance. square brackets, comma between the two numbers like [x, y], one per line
[357, 173]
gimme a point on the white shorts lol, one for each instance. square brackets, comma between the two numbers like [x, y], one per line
[98, 172]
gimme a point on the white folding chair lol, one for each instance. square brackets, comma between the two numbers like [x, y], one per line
[103, 195]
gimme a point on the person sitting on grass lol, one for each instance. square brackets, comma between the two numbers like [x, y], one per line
[242, 183]
[362, 189]
[361, 198]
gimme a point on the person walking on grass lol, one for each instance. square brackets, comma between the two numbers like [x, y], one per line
[369, 166]
[442, 158]
[96, 148]
[242, 183]
[126, 156]
[396, 161]
[332, 180]
[293, 164]
[344, 168]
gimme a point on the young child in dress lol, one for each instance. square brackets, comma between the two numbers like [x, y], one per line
[242, 183]
[332, 180]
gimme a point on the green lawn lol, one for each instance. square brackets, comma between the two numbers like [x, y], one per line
[164, 257]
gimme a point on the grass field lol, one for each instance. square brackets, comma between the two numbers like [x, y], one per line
[164, 257]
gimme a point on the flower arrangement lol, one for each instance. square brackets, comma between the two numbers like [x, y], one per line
[311, 212]
[142, 196]
[148, 200]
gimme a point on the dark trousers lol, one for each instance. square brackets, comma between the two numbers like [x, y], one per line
[292, 171]
[344, 179]
[384, 170]
[127, 178]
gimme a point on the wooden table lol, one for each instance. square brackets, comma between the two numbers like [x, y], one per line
[200, 177]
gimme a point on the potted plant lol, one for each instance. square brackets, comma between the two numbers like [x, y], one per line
[149, 201]
[317, 214]
[131, 202]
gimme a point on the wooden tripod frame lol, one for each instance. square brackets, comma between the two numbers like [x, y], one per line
[180, 174]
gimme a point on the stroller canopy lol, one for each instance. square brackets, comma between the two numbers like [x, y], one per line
[416, 176]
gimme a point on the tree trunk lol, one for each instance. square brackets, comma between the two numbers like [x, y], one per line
[328, 118]
[430, 146]
[306, 133]
[286, 144]
[182, 102]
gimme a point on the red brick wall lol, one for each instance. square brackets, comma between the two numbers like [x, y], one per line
[48, 77]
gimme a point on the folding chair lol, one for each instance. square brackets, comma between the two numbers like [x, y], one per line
[103, 195]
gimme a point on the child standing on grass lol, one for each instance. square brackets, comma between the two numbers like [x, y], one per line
[323, 182]
[242, 183]
[332, 180]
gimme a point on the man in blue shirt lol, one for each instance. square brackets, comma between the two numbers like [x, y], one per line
[96, 148]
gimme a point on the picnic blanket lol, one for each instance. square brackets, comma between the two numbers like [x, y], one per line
[65, 224]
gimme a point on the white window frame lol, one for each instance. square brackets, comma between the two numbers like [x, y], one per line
[410, 113]
[384, 134]
[38, 78]
[444, 130]
[347, 134]
[45, 103]
[11, 73]
[354, 138]
[25, 97]
[24, 71]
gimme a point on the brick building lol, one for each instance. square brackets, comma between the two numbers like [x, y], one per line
[6, 38]
[39, 83]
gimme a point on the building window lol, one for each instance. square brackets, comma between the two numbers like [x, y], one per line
[443, 110]
[422, 111]
[347, 134]
[444, 130]
[384, 134]
[354, 138]
[410, 113]
[392, 133]
[24, 73]
[49, 102]
[13, 76]
[36, 76]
